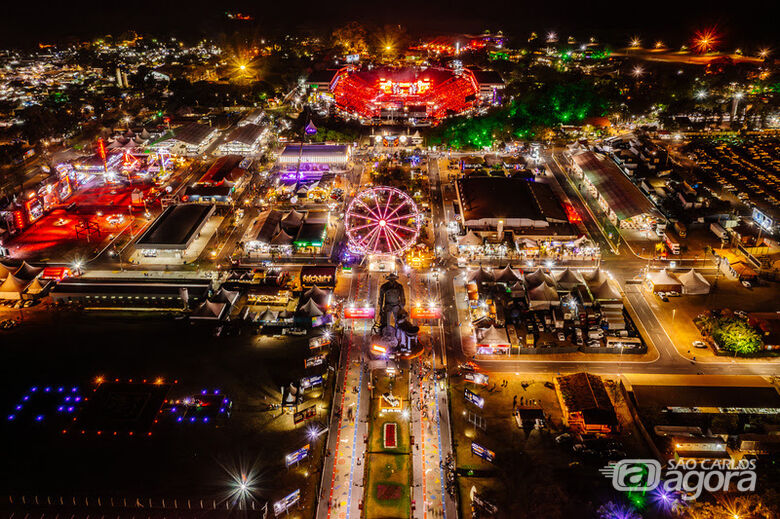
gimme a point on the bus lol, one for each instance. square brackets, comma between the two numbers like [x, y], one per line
[682, 232]
[672, 244]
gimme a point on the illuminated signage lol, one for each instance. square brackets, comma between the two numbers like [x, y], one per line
[305, 414]
[359, 313]
[482, 452]
[378, 348]
[281, 506]
[322, 276]
[763, 221]
[308, 382]
[314, 361]
[297, 456]
[421, 312]
[474, 398]
[477, 378]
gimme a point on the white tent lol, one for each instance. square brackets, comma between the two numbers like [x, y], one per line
[605, 292]
[694, 283]
[12, 287]
[493, 337]
[310, 309]
[595, 277]
[542, 297]
[470, 240]
[539, 277]
[662, 281]
[481, 276]
[268, 316]
[4, 271]
[282, 238]
[209, 311]
[568, 278]
[507, 275]
[316, 294]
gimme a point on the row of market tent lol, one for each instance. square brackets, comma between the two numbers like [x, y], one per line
[18, 280]
[542, 288]
[689, 282]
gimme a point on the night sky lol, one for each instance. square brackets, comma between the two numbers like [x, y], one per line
[741, 23]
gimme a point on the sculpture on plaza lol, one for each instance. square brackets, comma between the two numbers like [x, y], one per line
[392, 320]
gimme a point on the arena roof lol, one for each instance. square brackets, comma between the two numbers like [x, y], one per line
[621, 195]
[490, 199]
[197, 289]
[176, 228]
[193, 133]
[247, 134]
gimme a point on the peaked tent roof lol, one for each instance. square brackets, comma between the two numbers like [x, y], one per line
[507, 275]
[470, 240]
[268, 315]
[34, 287]
[568, 278]
[4, 270]
[481, 275]
[27, 271]
[606, 291]
[543, 292]
[538, 277]
[595, 277]
[293, 218]
[662, 277]
[226, 296]
[13, 284]
[310, 309]
[694, 283]
[494, 337]
[208, 310]
[282, 238]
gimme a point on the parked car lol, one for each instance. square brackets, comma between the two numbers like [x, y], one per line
[746, 284]
[699, 344]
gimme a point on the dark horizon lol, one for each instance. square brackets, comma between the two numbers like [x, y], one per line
[614, 22]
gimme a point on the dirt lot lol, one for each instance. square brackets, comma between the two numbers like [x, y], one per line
[531, 476]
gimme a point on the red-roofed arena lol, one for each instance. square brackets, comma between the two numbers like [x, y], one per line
[413, 93]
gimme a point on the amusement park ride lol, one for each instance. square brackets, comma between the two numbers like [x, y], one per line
[382, 223]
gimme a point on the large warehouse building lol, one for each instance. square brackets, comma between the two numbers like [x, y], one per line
[494, 206]
[189, 140]
[624, 203]
[175, 229]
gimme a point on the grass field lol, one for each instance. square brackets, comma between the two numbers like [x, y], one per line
[389, 470]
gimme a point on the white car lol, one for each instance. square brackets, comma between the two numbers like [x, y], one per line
[699, 344]
[746, 284]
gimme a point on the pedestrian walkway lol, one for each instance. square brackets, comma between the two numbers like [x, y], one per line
[340, 497]
[429, 474]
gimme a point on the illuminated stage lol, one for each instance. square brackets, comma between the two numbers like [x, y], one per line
[410, 94]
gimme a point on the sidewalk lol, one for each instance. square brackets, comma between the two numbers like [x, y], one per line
[430, 494]
[342, 492]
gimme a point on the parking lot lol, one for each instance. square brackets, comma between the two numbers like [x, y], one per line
[748, 169]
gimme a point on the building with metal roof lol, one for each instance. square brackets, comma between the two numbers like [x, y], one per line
[496, 205]
[176, 228]
[189, 140]
[243, 140]
[624, 202]
[315, 154]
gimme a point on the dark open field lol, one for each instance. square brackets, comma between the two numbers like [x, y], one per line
[178, 460]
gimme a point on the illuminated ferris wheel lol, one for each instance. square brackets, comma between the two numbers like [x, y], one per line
[382, 220]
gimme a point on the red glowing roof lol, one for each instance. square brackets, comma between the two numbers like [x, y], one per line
[425, 92]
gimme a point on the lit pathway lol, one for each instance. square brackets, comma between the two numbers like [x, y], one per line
[341, 495]
[428, 460]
